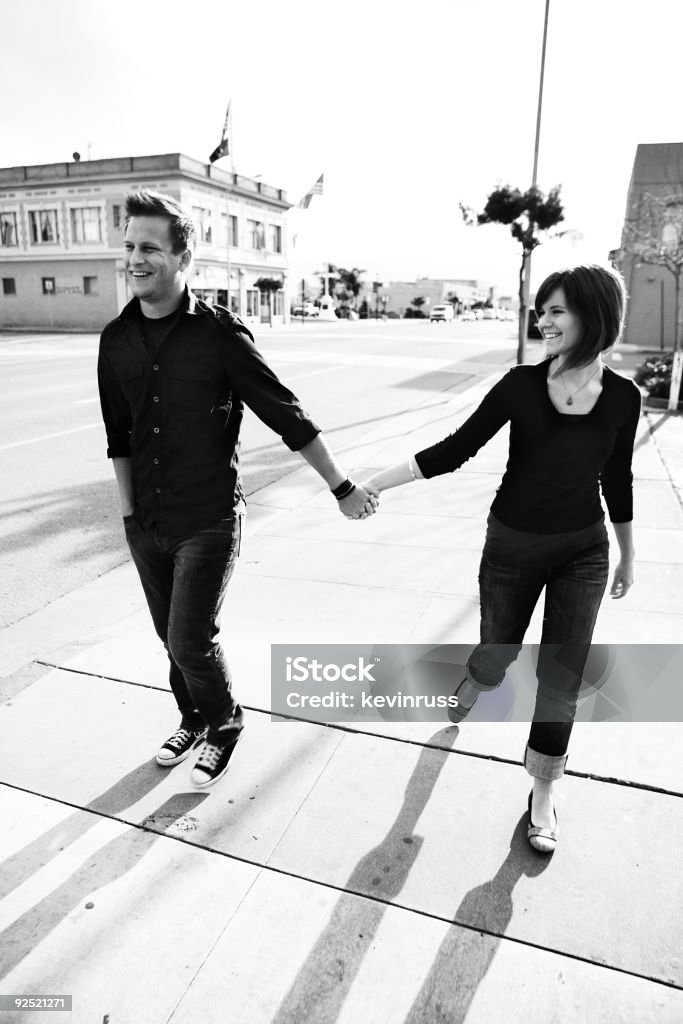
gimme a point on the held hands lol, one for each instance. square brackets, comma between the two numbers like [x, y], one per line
[361, 503]
[623, 579]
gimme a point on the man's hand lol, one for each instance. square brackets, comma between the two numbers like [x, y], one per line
[623, 579]
[360, 504]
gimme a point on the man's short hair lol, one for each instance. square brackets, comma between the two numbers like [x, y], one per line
[146, 203]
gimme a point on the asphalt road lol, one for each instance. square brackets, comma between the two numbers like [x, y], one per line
[60, 524]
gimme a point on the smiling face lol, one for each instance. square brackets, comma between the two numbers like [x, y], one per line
[561, 329]
[155, 273]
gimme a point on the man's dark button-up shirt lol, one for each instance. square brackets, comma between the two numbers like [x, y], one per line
[177, 412]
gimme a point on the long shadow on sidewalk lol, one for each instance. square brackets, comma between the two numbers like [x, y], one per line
[320, 989]
[103, 866]
[466, 954]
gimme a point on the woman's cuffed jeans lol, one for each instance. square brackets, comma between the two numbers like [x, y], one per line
[185, 583]
[508, 595]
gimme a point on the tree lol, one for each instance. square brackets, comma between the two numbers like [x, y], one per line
[416, 313]
[270, 285]
[343, 297]
[452, 297]
[530, 215]
[653, 233]
[351, 282]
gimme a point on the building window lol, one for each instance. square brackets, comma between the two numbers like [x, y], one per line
[257, 238]
[9, 286]
[48, 285]
[252, 302]
[279, 303]
[229, 234]
[8, 229]
[202, 223]
[44, 227]
[275, 238]
[85, 224]
[672, 226]
[90, 286]
[116, 213]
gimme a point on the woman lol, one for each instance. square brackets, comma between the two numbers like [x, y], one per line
[572, 427]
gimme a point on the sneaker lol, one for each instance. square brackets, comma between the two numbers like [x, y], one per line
[179, 746]
[213, 762]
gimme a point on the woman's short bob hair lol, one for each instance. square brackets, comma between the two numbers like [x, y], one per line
[598, 297]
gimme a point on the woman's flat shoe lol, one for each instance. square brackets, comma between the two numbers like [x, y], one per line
[542, 839]
[467, 698]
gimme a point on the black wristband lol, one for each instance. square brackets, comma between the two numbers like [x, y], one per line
[343, 490]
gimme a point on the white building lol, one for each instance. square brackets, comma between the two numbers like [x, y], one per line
[61, 238]
[400, 294]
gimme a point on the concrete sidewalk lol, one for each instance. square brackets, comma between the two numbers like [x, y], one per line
[378, 872]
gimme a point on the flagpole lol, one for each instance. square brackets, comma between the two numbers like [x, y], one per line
[219, 151]
[227, 248]
[227, 203]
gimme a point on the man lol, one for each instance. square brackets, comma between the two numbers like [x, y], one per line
[174, 374]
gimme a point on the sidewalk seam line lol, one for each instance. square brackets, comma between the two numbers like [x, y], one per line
[353, 892]
[229, 921]
[572, 773]
[653, 438]
[312, 786]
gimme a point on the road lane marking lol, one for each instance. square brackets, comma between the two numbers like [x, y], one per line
[48, 437]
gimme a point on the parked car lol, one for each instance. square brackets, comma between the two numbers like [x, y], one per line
[508, 314]
[443, 313]
[532, 330]
[308, 310]
[488, 313]
[468, 315]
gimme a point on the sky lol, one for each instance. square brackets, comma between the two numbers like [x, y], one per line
[408, 109]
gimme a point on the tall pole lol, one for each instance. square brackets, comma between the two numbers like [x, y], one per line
[227, 249]
[526, 283]
[540, 96]
[231, 149]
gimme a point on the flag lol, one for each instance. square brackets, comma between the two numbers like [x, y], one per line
[315, 190]
[225, 145]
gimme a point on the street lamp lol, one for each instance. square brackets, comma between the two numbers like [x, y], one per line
[527, 273]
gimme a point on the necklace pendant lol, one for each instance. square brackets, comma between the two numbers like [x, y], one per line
[570, 400]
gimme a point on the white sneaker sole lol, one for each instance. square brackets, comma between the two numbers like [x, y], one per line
[169, 762]
[205, 781]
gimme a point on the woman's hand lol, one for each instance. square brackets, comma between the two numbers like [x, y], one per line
[361, 503]
[623, 578]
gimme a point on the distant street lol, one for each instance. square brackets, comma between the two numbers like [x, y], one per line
[60, 523]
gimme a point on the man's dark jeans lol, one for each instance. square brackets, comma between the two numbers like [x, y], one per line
[509, 594]
[185, 584]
